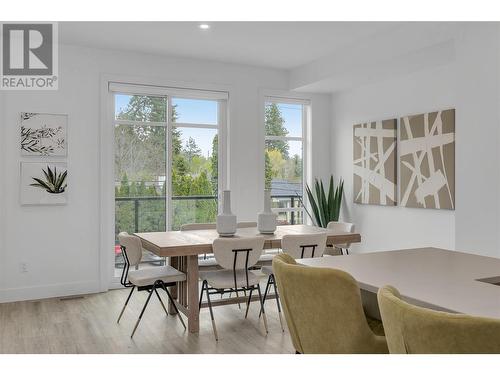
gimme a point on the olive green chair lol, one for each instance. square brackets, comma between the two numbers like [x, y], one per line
[323, 310]
[417, 330]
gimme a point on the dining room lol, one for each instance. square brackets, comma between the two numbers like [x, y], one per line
[250, 187]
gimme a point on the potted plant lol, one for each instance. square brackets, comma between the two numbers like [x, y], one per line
[325, 207]
[54, 182]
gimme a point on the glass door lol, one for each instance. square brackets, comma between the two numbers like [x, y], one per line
[195, 161]
[167, 166]
[141, 154]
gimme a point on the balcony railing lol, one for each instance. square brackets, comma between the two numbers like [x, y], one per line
[286, 209]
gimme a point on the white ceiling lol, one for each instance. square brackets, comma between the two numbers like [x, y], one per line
[283, 45]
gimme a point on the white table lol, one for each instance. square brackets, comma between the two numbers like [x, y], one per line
[429, 277]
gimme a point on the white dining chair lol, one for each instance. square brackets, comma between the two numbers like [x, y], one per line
[208, 260]
[235, 256]
[297, 246]
[204, 260]
[149, 279]
[341, 227]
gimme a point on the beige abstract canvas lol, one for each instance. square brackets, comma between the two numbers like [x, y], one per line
[374, 163]
[427, 160]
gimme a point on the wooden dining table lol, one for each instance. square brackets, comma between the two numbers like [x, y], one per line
[182, 248]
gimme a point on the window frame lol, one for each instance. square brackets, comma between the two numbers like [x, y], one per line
[169, 125]
[306, 110]
[150, 86]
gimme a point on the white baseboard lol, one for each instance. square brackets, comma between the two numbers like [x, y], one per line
[49, 291]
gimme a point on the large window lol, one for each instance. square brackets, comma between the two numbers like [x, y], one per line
[167, 164]
[284, 157]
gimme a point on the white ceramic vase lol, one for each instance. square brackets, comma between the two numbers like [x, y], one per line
[226, 221]
[267, 220]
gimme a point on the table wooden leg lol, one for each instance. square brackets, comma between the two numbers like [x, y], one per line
[193, 294]
[174, 262]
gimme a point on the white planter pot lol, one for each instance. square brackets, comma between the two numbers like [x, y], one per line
[226, 221]
[267, 220]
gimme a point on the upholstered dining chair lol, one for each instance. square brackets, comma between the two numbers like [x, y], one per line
[206, 260]
[235, 255]
[416, 330]
[323, 310]
[344, 227]
[298, 246]
[149, 279]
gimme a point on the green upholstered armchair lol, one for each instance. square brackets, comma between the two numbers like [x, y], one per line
[323, 310]
[415, 330]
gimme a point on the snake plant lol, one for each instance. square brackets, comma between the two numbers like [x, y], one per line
[54, 182]
[325, 207]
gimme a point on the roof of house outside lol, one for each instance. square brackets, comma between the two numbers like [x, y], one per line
[282, 188]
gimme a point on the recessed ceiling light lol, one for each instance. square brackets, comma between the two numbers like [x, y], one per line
[204, 26]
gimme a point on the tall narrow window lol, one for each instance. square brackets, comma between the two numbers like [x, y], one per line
[195, 150]
[166, 161]
[284, 157]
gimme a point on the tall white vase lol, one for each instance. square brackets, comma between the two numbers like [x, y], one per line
[267, 220]
[226, 221]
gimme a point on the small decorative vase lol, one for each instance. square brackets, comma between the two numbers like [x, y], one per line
[267, 220]
[226, 221]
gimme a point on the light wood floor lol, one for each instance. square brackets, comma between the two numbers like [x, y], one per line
[88, 325]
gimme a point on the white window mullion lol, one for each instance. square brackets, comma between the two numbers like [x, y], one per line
[195, 126]
[139, 123]
[168, 171]
[286, 100]
[223, 168]
[282, 138]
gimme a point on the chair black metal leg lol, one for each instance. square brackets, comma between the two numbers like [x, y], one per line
[173, 304]
[126, 303]
[248, 302]
[262, 309]
[201, 294]
[278, 303]
[211, 313]
[162, 304]
[268, 287]
[238, 296]
[142, 312]
[347, 251]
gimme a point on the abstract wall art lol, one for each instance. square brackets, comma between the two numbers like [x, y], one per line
[427, 160]
[43, 183]
[43, 134]
[374, 163]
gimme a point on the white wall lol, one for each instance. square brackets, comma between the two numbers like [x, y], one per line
[61, 243]
[470, 84]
